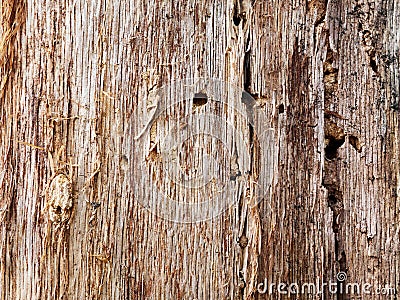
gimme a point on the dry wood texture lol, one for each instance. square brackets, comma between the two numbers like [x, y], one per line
[77, 82]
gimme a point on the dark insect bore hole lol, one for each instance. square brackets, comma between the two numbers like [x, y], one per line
[200, 99]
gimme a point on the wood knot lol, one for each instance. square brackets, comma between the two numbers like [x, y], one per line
[59, 200]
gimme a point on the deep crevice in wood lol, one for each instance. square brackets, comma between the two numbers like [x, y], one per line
[246, 67]
[342, 261]
[236, 17]
[330, 78]
[334, 139]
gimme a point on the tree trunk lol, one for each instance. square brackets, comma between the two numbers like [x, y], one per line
[303, 140]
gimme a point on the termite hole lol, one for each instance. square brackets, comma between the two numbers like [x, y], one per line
[281, 108]
[199, 99]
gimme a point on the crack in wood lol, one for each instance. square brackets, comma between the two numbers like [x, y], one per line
[334, 139]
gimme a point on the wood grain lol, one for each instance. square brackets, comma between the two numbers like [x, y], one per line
[77, 85]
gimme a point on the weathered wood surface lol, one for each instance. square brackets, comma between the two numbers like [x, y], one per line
[76, 77]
